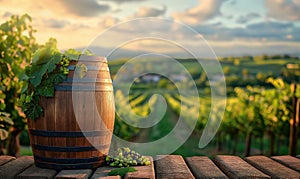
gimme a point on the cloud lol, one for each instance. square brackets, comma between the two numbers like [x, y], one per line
[150, 12]
[124, 1]
[247, 18]
[238, 48]
[283, 9]
[54, 23]
[233, 2]
[205, 10]
[263, 31]
[108, 21]
[267, 30]
[87, 8]
[7, 14]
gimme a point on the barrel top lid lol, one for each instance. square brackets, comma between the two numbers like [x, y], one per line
[93, 58]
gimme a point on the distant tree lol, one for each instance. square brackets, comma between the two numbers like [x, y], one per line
[261, 57]
[249, 112]
[237, 62]
[265, 57]
[286, 56]
[245, 73]
[247, 58]
[291, 75]
[226, 70]
[261, 76]
[275, 57]
[232, 123]
[277, 109]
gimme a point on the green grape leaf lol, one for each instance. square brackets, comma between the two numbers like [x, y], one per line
[3, 134]
[55, 58]
[2, 106]
[41, 56]
[3, 69]
[24, 87]
[121, 171]
[23, 76]
[57, 78]
[47, 90]
[33, 110]
[72, 54]
[39, 69]
[37, 75]
[4, 117]
[88, 52]
[28, 99]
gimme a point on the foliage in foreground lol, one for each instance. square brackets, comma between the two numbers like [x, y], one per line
[258, 111]
[16, 46]
[49, 67]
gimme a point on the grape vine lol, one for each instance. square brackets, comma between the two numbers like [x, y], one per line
[48, 68]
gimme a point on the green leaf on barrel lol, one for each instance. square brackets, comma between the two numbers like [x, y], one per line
[33, 110]
[72, 54]
[47, 91]
[49, 67]
[57, 78]
[43, 63]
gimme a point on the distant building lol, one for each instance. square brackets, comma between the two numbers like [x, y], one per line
[292, 66]
[178, 78]
[150, 78]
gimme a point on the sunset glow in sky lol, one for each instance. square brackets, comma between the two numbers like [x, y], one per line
[231, 27]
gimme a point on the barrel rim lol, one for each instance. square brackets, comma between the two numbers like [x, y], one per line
[94, 58]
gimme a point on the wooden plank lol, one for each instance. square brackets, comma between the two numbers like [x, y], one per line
[74, 174]
[34, 172]
[272, 168]
[289, 161]
[70, 121]
[235, 167]
[203, 167]
[40, 124]
[171, 166]
[50, 117]
[102, 173]
[5, 158]
[13, 168]
[60, 115]
[146, 172]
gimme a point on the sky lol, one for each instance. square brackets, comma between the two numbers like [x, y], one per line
[228, 27]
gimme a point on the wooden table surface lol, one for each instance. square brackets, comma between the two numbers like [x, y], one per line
[166, 166]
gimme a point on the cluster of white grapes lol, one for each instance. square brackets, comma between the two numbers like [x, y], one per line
[126, 157]
[64, 64]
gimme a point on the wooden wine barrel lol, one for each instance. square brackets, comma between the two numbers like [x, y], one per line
[70, 134]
